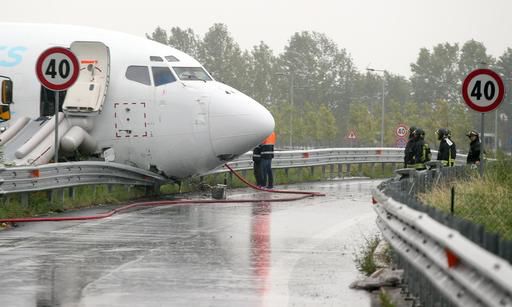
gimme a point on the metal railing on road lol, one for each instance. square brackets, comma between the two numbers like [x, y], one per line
[25, 179]
[449, 269]
[319, 157]
[70, 174]
[59, 175]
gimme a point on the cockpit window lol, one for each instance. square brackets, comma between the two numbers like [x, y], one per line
[138, 74]
[162, 75]
[192, 73]
[171, 58]
[155, 58]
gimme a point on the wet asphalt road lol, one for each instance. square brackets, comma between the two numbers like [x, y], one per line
[241, 254]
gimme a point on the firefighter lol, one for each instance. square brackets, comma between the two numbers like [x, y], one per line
[474, 148]
[408, 148]
[420, 151]
[256, 159]
[267, 154]
[447, 150]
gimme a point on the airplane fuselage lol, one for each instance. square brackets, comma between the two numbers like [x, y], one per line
[180, 124]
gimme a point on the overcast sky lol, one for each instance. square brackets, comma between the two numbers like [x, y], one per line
[383, 34]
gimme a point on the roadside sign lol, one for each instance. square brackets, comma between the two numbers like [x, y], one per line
[483, 90]
[351, 135]
[400, 143]
[401, 131]
[57, 68]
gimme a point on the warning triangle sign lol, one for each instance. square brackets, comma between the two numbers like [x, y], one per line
[351, 135]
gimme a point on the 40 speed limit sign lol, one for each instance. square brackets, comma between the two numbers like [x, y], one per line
[57, 68]
[483, 90]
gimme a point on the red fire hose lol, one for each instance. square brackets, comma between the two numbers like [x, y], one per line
[303, 194]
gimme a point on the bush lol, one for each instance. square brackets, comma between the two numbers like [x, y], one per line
[364, 256]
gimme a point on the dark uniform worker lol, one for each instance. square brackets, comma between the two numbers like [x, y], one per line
[267, 154]
[447, 150]
[408, 148]
[420, 151]
[474, 148]
[256, 159]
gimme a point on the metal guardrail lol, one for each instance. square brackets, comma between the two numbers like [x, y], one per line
[70, 174]
[318, 157]
[464, 273]
[328, 156]
[60, 175]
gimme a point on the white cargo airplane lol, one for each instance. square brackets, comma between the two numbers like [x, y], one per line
[136, 102]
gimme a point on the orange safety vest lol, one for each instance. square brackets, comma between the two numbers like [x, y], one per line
[270, 140]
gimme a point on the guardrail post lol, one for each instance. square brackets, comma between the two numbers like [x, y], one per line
[24, 198]
[340, 170]
[286, 174]
[372, 166]
[312, 171]
[348, 170]
[323, 171]
[61, 196]
[151, 190]
[109, 188]
[331, 171]
[72, 193]
[360, 169]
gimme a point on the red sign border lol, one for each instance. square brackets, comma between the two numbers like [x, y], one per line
[406, 129]
[492, 74]
[39, 68]
[351, 132]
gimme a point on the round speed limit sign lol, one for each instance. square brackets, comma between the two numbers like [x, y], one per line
[57, 68]
[401, 131]
[483, 90]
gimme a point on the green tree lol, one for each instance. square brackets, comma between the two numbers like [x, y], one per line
[262, 74]
[365, 123]
[184, 40]
[473, 55]
[435, 74]
[223, 58]
[159, 35]
[322, 72]
[504, 68]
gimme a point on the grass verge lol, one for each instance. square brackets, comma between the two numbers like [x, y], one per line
[85, 196]
[486, 201]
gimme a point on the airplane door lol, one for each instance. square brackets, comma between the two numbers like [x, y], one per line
[87, 95]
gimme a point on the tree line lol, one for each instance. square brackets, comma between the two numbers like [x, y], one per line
[331, 97]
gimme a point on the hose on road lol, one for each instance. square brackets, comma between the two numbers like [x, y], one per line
[302, 195]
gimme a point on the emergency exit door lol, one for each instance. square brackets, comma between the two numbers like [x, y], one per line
[87, 95]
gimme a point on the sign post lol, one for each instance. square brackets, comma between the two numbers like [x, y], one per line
[483, 91]
[57, 69]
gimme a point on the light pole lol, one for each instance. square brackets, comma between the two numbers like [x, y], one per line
[292, 77]
[383, 92]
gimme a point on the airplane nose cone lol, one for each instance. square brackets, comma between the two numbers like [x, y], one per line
[237, 124]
